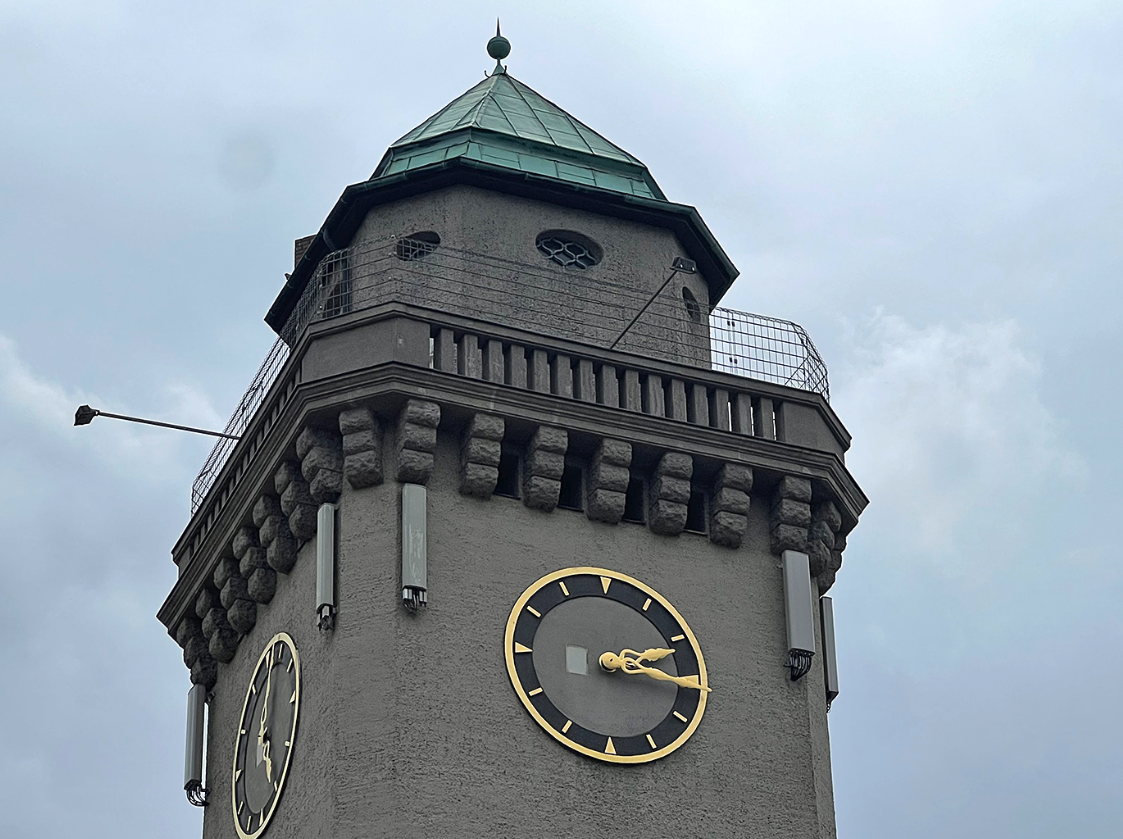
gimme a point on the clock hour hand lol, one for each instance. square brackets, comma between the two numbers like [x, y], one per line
[630, 662]
[263, 731]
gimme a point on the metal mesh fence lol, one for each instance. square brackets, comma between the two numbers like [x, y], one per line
[589, 307]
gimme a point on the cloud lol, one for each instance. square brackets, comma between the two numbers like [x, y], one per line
[949, 424]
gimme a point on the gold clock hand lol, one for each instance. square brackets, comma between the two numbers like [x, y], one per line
[628, 661]
[263, 731]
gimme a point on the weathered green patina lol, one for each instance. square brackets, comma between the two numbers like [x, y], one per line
[503, 122]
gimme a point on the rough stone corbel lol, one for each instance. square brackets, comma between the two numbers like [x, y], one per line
[827, 578]
[670, 493]
[362, 447]
[479, 455]
[274, 532]
[608, 481]
[321, 463]
[297, 504]
[731, 502]
[825, 522]
[254, 558]
[791, 515]
[417, 440]
[222, 638]
[233, 593]
[545, 463]
[196, 654]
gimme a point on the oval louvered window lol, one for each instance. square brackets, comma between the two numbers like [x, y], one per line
[417, 245]
[569, 249]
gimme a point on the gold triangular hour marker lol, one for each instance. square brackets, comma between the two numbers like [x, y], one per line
[610, 749]
[604, 581]
[237, 775]
[293, 697]
[522, 648]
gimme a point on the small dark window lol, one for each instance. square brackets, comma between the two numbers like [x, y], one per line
[696, 512]
[569, 249]
[692, 307]
[633, 502]
[417, 245]
[570, 497]
[508, 483]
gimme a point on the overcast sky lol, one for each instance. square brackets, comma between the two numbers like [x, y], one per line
[933, 189]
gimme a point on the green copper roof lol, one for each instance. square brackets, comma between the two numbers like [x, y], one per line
[503, 122]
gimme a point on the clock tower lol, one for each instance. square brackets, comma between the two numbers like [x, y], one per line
[523, 535]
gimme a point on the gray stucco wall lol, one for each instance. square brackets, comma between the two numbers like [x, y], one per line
[409, 726]
[488, 266]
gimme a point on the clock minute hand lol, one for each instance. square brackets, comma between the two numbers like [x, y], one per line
[628, 661]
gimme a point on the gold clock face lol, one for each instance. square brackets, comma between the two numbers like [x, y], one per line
[266, 736]
[606, 665]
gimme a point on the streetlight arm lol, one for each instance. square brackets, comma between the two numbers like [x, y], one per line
[85, 415]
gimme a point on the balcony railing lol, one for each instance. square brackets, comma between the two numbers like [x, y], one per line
[591, 311]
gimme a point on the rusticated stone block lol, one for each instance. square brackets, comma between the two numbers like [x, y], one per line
[315, 438]
[227, 567]
[296, 495]
[727, 500]
[252, 561]
[242, 615]
[302, 522]
[727, 529]
[286, 473]
[608, 481]
[416, 440]
[281, 552]
[271, 527]
[818, 557]
[188, 628]
[244, 540]
[790, 511]
[265, 507]
[234, 589]
[363, 469]
[321, 463]
[797, 489]
[670, 492]
[196, 647]
[824, 550]
[222, 638]
[786, 537]
[262, 585]
[205, 600]
[204, 672]
[825, 580]
[543, 467]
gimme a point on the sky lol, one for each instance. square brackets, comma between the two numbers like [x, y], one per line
[934, 190]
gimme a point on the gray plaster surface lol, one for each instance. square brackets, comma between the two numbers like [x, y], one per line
[488, 266]
[410, 727]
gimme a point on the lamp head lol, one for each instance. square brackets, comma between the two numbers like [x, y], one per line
[85, 415]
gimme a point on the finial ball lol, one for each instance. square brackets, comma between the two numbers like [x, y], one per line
[498, 47]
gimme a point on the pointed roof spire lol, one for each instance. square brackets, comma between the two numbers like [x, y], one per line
[498, 48]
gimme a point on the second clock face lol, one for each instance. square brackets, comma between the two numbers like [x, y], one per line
[266, 734]
[606, 665]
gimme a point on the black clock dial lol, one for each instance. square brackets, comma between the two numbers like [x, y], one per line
[266, 736]
[606, 665]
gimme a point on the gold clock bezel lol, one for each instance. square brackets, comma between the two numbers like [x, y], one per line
[286, 639]
[528, 703]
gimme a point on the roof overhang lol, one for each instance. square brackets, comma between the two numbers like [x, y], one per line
[349, 211]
